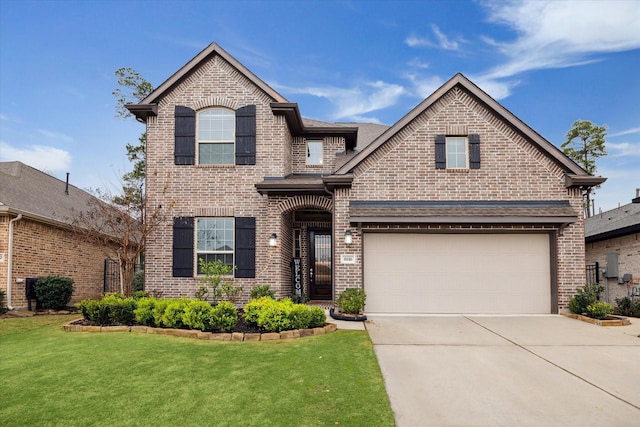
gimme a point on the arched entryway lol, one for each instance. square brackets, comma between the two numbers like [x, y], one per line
[307, 247]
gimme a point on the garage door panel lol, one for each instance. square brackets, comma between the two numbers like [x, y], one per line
[457, 273]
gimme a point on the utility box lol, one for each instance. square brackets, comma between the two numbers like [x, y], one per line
[612, 265]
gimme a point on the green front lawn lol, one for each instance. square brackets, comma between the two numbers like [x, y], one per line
[51, 377]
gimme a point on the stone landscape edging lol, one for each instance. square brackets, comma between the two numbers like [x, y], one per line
[212, 336]
[618, 321]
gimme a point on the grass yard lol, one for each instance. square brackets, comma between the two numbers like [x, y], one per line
[49, 377]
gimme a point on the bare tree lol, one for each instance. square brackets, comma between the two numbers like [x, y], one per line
[120, 221]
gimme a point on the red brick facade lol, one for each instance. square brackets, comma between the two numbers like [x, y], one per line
[402, 168]
[41, 249]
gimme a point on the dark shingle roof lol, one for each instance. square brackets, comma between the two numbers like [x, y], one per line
[619, 221]
[29, 191]
[367, 132]
[462, 211]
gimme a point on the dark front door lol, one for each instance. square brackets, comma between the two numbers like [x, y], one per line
[320, 265]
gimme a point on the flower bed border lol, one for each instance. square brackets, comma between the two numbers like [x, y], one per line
[618, 321]
[212, 336]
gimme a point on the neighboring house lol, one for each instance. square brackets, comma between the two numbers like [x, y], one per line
[459, 207]
[36, 237]
[613, 241]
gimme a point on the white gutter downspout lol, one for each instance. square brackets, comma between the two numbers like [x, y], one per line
[10, 259]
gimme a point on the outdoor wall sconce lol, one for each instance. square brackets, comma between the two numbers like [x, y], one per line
[273, 239]
[348, 238]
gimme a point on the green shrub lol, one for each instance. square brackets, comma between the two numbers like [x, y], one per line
[318, 317]
[252, 309]
[121, 310]
[95, 311]
[54, 291]
[144, 313]
[275, 317]
[586, 295]
[158, 311]
[352, 300]
[2, 307]
[299, 299]
[627, 307]
[224, 316]
[299, 316]
[138, 281]
[139, 294]
[262, 291]
[198, 315]
[172, 316]
[599, 310]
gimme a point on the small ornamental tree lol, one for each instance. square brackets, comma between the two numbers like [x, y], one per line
[585, 143]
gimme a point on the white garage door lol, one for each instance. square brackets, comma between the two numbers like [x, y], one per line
[457, 273]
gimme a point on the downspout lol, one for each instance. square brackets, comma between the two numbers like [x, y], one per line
[10, 260]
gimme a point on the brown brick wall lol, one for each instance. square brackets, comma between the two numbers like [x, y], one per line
[628, 250]
[43, 250]
[197, 190]
[402, 169]
[511, 169]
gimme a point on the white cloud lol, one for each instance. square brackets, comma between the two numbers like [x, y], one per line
[558, 34]
[442, 40]
[41, 157]
[618, 189]
[619, 149]
[424, 86]
[625, 132]
[352, 103]
[54, 135]
[495, 88]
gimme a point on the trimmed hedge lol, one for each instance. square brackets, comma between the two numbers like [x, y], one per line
[266, 313]
[277, 316]
[54, 291]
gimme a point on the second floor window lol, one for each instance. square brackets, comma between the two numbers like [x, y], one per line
[314, 153]
[216, 136]
[456, 152]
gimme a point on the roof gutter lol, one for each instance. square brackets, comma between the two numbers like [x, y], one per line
[10, 260]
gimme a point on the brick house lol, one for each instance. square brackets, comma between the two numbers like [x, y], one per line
[36, 238]
[459, 207]
[612, 239]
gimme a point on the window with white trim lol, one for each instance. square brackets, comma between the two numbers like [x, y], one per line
[216, 136]
[315, 152]
[456, 148]
[214, 240]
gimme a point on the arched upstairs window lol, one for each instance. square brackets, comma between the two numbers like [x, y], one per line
[216, 136]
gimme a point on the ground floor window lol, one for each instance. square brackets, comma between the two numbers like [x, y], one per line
[215, 240]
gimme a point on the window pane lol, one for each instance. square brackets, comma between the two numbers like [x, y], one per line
[215, 235]
[227, 259]
[216, 125]
[216, 154]
[314, 152]
[456, 152]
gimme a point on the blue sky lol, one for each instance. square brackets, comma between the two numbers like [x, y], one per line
[548, 62]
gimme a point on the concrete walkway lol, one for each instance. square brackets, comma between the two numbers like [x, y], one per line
[508, 371]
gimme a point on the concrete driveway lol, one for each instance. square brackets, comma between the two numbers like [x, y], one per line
[507, 371]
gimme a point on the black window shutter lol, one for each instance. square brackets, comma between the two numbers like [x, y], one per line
[245, 250]
[474, 151]
[185, 136]
[246, 135]
[183, 246]
[441, 152]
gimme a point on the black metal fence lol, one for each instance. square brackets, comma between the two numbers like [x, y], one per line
[593, 273]
[111, 276]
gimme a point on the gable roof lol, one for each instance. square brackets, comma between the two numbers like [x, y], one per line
[148, 105]
[614, 223]
[36, 195]
[570, 167]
